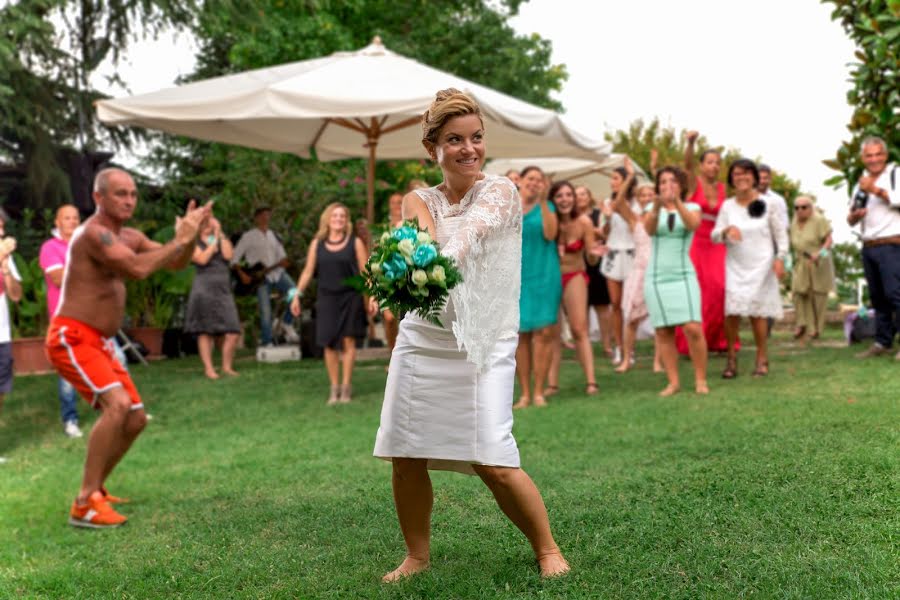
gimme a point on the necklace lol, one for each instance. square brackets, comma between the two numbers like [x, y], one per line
[338, 242]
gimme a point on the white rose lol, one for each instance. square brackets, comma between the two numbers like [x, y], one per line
[419, 277]
[406, 247]
[376, 268]
[437, 274]
[423, 237]
[385, 237]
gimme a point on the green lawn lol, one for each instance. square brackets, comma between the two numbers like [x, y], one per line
[784, 487]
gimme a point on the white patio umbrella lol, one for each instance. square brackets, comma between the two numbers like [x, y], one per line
[594, 174]
[344, 105]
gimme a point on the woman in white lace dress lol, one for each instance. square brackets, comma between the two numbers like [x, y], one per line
[757, 245]
[448, 399]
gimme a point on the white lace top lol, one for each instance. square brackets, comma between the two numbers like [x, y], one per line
[487, 248]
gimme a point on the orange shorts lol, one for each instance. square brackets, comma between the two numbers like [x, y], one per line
[87, 360]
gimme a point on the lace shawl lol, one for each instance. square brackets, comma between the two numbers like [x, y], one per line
[487, 248]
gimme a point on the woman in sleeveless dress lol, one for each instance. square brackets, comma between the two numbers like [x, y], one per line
[708, 258]
[211, 310]
[670, 285]
[619, 256]
[541, 289]
[395, 219]
[448, 399]
[334, 255]
[634, 307]
[598, 293]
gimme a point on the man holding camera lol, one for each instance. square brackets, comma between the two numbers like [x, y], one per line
[876, 205]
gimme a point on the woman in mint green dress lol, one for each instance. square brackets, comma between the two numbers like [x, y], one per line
[670, 284]
[541, 287]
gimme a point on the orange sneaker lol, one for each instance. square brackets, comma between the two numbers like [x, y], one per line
[96, 514]
[112, 499]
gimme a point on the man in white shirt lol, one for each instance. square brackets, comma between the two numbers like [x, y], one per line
[11, 289]
[260, 246]
[773, 198]
[876, 205]
[778, 204]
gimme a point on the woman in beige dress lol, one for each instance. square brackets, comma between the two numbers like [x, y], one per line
[813, 275]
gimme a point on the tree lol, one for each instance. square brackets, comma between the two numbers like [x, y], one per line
[470, 38]
[848, 270]
[640, 138]
[874, 25]
[48, 51]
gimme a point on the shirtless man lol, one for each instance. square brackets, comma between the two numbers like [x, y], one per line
[102, 253]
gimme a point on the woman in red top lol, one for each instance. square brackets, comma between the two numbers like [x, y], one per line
[708, 258]
[577, 245]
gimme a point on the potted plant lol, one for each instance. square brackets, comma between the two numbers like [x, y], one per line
[29, 320]
[151, 305]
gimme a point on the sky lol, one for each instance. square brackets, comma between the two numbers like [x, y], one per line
[769, 77]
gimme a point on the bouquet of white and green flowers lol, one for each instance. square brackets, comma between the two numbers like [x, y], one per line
[406, 272]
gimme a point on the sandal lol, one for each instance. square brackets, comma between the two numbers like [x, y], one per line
[591, 389]
[762, 369]
[730, 371]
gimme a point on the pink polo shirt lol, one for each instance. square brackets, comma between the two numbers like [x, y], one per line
[53, 257]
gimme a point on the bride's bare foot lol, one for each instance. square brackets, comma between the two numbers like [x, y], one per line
[623, 367]
[658, 368]
[211, 374]
[230, 372]
[553, 564]
[701, 387]
[409, 566]
[540, 401]
[522, 403]
[670, 390]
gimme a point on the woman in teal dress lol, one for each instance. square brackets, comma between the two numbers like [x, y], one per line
[670, 284]
[541, 287]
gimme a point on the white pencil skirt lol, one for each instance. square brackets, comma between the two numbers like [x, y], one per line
[438, 407]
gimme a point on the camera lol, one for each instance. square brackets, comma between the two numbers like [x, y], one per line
[860, 200]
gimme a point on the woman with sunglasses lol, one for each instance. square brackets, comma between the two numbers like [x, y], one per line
[812, 277]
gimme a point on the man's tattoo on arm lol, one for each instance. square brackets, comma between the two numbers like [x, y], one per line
[106, 238]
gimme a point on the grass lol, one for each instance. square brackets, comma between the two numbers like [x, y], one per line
[783, 487]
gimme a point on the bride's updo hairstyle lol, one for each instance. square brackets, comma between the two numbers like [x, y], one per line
[447, 104]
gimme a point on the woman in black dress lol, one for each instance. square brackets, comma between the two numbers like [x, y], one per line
[598, 295]
[211, 311]
[334, 255]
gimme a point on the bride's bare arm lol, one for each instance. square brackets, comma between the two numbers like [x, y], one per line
[414, 209]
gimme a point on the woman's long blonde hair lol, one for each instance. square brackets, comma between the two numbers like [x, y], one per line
[322, 233]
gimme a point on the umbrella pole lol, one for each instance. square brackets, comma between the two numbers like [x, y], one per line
[370, 180]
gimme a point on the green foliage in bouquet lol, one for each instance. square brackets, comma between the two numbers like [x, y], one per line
[406, 272]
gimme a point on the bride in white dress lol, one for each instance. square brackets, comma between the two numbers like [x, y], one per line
[448, 399]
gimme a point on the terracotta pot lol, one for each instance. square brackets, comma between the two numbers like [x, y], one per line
[29, 357]
[150, 337]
